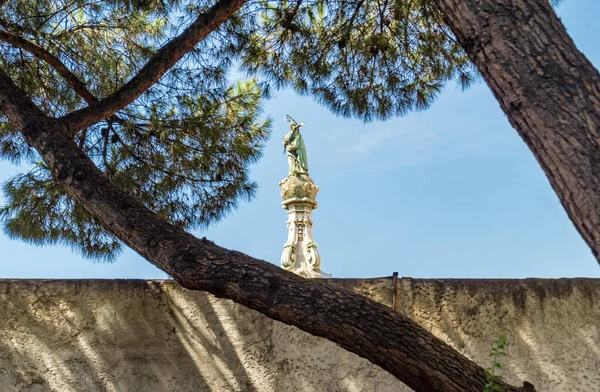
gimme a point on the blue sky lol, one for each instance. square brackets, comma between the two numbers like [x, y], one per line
[449, 192]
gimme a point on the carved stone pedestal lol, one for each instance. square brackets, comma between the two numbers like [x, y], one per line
[300, 253]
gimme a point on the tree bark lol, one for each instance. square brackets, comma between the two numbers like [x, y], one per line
[371, 330]
[155, 68]
[547, 88]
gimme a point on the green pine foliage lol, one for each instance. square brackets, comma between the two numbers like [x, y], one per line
[40, 212]
[183, 148]
[369, 59]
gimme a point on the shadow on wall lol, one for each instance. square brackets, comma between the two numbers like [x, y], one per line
[88, 336]
[129, 335]
[552, 325]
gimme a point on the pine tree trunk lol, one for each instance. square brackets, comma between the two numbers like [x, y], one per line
[371, 330]
[547, 88]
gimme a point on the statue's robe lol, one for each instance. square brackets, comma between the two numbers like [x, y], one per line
[297, 154]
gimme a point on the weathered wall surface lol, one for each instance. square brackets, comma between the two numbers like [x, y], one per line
[553, 325]
[125, 335]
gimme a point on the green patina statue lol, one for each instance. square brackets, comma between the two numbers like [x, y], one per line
[296, 151]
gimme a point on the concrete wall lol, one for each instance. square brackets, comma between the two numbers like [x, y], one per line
[126, 335]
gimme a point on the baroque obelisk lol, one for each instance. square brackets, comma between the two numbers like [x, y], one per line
[300, 253]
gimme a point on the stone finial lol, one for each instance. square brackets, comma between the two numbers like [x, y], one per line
[300, 254]
[299, 188]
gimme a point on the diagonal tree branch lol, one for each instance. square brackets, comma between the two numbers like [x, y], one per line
[155, 68]
[52, 60]
[77, 85]
[548, 89]
[11, 26]
[371, 330]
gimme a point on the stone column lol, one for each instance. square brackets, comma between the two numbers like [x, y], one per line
[300, 253]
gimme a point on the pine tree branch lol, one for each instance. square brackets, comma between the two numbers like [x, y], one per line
[14, 103]
[155, 68]
[8, 25]
[77, 85]
[53, 61]
[360, 325]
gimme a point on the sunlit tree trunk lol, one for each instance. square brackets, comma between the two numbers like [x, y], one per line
[369, 329]
[547, 88]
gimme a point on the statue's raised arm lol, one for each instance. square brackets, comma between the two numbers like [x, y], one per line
[295, 148]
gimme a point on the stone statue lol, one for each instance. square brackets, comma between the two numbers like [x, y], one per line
[300, 254]
[294, 146]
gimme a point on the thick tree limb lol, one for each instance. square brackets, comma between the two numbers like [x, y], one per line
[547, 88]
[155, 68]
[356, 323]
[77, 85]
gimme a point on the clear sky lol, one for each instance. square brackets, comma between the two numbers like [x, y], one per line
[449, 192]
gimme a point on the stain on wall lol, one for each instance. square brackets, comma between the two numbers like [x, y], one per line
[132, 335]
